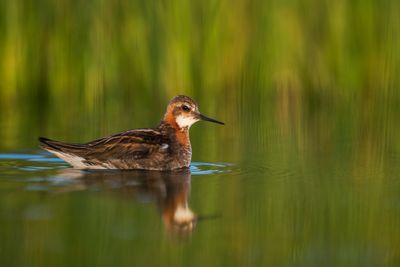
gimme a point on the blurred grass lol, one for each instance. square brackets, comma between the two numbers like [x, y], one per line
[80, 69]
[105, 65]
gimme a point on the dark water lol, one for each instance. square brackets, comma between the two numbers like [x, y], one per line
[320, 191]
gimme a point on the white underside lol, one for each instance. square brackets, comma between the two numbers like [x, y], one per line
[78, 162]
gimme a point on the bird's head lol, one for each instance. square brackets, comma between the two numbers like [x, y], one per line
[183, 112]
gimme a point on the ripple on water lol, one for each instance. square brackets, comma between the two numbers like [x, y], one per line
[30, 157]
[49, 160]
[206, 168]
[14, 166]
[24, 163]
[8, 156]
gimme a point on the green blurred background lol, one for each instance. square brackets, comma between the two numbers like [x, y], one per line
[81, 69]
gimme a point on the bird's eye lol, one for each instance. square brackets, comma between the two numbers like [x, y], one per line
[185, 108]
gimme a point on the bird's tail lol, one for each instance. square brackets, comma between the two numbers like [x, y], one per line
[71, 153]
[57, 146]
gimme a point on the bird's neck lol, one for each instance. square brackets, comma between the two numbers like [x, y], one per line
[181, 135]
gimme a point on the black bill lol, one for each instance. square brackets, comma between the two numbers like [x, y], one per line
[204, 118]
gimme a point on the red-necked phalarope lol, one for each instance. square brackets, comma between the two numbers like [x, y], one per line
[166, 147]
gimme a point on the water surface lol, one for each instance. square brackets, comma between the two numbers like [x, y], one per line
[296, 209]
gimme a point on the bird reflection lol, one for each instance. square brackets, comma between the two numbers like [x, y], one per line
[169, 190]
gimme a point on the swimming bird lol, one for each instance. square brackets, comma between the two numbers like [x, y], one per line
[166, 147]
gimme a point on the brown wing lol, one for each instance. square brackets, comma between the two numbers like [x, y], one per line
[129, 145]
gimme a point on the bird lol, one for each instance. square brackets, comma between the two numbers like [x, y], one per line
[163, 148]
